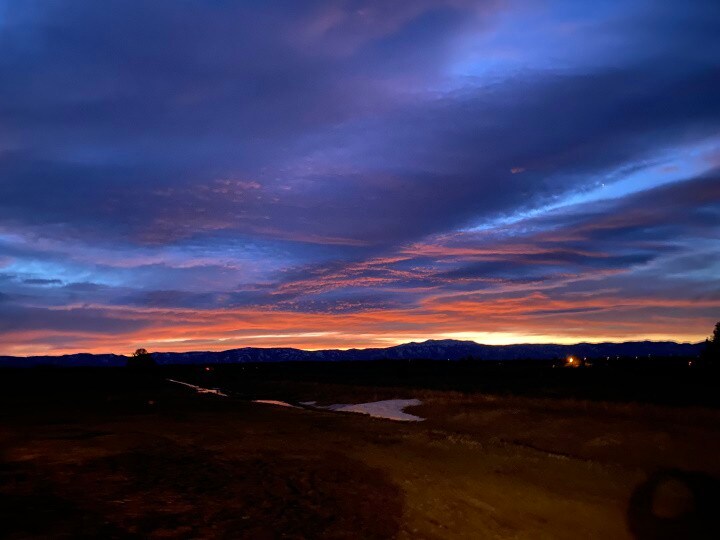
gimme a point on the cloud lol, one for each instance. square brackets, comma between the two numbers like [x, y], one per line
[420, 167]
[134, 140]
[42, 281]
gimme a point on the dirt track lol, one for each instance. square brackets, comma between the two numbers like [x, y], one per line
[190, 465]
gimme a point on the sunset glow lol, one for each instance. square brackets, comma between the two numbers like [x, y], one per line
[211, 175]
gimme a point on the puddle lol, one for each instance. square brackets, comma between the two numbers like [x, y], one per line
[390, 409]
[275, 402]
[199, 389]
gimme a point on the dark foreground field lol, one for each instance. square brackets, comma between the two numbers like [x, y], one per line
[504, 452]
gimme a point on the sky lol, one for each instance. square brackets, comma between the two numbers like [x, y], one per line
[206, 175]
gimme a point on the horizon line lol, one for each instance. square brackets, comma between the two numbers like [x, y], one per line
[518, 344]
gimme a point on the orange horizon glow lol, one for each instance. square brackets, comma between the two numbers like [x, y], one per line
[374, 173]
[218, 330]
[346, 344]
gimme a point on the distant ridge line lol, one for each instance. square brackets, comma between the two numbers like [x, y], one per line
[447, 349]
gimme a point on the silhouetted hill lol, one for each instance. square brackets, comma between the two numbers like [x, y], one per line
[75, 360]
[427, 350]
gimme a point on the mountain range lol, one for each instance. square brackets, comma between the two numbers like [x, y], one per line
[427, 350]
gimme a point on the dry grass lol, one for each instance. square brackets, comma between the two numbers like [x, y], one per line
[480, 466]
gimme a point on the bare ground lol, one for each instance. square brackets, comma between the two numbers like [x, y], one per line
[174, 464]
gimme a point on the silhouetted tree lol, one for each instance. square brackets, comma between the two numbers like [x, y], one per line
[141, 359]
[711, 354]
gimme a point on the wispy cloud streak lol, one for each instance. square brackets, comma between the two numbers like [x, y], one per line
[208, 175]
